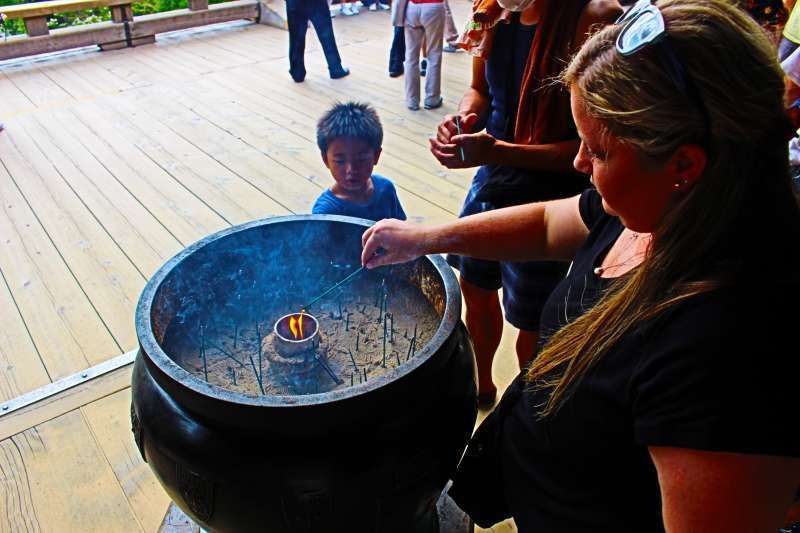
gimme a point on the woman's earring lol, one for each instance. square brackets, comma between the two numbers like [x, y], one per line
[680, 184]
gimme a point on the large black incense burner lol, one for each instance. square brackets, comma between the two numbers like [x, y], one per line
[349, 420]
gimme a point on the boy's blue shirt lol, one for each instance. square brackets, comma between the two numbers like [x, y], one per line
[383, 204]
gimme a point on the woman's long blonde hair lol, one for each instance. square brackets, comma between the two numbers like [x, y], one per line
[717, 232]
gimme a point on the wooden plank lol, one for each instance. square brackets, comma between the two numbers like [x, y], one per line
[37, 87]
[64, 402]
[23, 369]
[146, 242]
[104, 272]
[15, 102]
[182, 19]
[57, 479]
[182, 213]
[62, 323]
[285, 184]
[37, 9]
[110, 423]
[61, 39]
[228, 194]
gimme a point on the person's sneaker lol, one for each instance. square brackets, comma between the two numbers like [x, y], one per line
[450, 48]
[373, 7]
[333, 14]
[435, 104]
[423, 67]
[340, 74]
[396, 73]
[347, 10]
[413, 107]
[383, 7]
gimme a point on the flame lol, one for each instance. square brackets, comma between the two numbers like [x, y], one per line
[296, 326]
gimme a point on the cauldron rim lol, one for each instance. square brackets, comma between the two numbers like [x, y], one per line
[151, 349]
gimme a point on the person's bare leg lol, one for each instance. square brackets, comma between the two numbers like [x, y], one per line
[484, 320]
[526, 345]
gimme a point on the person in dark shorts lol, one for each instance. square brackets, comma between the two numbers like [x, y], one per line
[520, 160]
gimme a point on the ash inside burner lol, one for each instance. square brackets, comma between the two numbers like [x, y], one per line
[241, 355]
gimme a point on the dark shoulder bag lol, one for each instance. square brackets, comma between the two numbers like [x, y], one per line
[478, 482]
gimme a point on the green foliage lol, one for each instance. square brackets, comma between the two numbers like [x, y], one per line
[90, 16]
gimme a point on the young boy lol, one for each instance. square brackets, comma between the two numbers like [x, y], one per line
[349, 137]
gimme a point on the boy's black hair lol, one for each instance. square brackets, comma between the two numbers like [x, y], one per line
[351, 119]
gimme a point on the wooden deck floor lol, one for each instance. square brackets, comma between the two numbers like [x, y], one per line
[113, 162]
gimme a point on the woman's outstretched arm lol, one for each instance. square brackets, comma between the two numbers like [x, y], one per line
[541, 231]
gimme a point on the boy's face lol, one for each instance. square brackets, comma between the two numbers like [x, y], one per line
[351, 162]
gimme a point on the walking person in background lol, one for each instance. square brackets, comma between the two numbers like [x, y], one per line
[398, 50]
[450, 30]
[298, 15]
[423, 21]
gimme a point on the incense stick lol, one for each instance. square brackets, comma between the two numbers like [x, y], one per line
[458, 129]
[358, 271]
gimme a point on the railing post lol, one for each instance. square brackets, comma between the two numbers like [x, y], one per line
[198, 5]
[122, 13]
[36, 26]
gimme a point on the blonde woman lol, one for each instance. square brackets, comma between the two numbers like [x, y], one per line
[663, 395]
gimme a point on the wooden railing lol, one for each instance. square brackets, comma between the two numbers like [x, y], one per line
[123, 29]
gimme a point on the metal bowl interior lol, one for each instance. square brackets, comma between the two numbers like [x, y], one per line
[291, 259]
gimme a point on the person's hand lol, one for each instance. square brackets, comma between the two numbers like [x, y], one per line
[464, 151]
[391, 241]
[448, 127]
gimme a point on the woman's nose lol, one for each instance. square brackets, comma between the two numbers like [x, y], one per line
[582, 162]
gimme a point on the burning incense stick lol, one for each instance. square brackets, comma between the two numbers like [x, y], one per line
[355, 273]
[358, 271]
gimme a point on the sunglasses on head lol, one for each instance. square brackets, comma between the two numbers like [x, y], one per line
[644, 26]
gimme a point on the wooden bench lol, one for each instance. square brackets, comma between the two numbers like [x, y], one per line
[122, 31]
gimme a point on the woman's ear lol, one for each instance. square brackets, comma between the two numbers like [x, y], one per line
[687, 165]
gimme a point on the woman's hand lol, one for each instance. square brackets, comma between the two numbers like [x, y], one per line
[448, 128]
[392, 241]
[464, 151]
